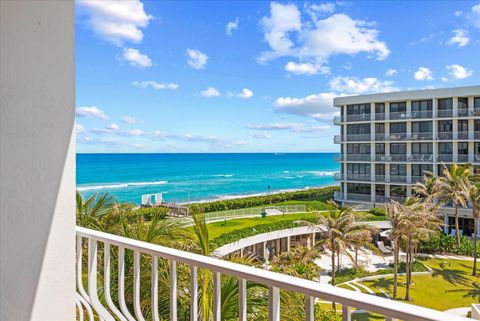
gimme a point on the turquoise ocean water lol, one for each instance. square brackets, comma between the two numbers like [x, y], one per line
[194, 177]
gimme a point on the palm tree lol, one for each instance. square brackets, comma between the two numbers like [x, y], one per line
[393, 212]
[472, 192]
[429, 188]
[93, 208]
[451, 185]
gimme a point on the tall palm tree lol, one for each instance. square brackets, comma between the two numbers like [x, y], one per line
[429, 188]
[393, 212]
[472, 192]
[451, 184]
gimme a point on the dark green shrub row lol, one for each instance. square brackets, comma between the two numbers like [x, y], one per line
[324, 193]
[250, 231]
[441, 243]
[149, 212]
[377, 211]
[345, 275]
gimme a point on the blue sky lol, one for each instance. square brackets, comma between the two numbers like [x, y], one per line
[251, 76]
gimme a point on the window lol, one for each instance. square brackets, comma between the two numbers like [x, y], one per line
[398, 169]
[462, 103]
[358, 148]
[379, 169]
[445, 126]
[358, 109]
[476, 102]
[422, 148]
[422, 105]
[355, 188]
[422, 127]
[380, 190]
[463, 125]
[380, 149]
[398, 191]
[363, 169]
[379, 128]
[398, 107]
[400, 148]
[445, 148]
[380, 108]
[462, 148]
[477, 125]
[359, 129]
[398, 128]
[420, 169]
[445, 104]
[477, 148]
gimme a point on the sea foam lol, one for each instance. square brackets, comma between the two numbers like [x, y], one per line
[119, 185]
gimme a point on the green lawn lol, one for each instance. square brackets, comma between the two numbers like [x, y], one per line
[450, 286]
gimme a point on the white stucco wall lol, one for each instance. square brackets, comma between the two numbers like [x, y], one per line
[37, 160]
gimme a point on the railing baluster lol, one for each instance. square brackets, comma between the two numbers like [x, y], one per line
[92, 281]
[86, 305]
[106, 284]
[309, 308]
[121, 284]
[242, 298]
[274, 304]
[387, 318]
[193, 293]
[154, 293]
[173, 290]
[80, 287]
[136, 286]
[79, 308]
[346, 315]
[217, 296]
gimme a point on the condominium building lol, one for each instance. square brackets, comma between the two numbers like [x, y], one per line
[389, 140]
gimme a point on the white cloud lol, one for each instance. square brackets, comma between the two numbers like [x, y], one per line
[91, 112]
[458, 13]
[129, 120]
[459, 72]
[135, 58]
[133, 132]
[423, 73]
[261, 135]
[245, 94]
[321, 9]
[231, 26]
[112, 126]
[461, 38]
[317, 106]
[306, 68]
[391, 72]
[155, 85]
[196, 59]
[192, 138]
[109, 141]
[116, 21]
[316, 41]
[274, 126]
[79, 129]
[355, 85]
[210, 92]
[474, 16]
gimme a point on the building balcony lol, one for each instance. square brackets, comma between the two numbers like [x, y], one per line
[398, 157]
[358, 197]
[445, 135]
[445, 158]
[338, 176]
[398, 179]
[462, 135]
[379, 116]
[399, 115]
[385, 199]
[358, 137]
[358, 157]
[462, 158]
[337, 139]
[359, 177]
[421, 114]
[422, 136]
[359, 117]
[427, 158]
[445, 113]
[415, 179]
[463, 113]
[397, 136]
[337, 120]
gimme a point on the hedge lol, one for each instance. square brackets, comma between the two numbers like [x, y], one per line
[324, 193]
[149, 212]
[441, 243]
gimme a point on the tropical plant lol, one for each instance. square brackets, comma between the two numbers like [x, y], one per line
[298, 262]
[90, 210]
[452, 188]
[429, 188]
[472, 193]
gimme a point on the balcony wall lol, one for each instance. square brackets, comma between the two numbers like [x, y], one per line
[37, 160]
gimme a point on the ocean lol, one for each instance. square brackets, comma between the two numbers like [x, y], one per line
[200, 177]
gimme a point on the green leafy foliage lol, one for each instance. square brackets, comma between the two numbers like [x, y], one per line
[377, 211]
[321, 194]
[149, 212]
[441, 243]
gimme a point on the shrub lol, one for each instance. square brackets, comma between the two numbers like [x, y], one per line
[377, 211]
[149, 212]
[441, 243]
[322, 194]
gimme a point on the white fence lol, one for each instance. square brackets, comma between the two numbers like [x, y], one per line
[246, 212]
[114, 247]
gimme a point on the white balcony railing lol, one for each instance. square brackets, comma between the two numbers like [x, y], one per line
[112, 253]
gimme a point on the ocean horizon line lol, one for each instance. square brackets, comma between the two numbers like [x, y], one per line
[204, 153]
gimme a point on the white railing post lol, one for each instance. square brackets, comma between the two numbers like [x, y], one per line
[309, 308]
[136, 286]
[274, 304]
[173, 290]
[217, 296]
[80, 287]
[106, 282]
[346, 315]
[242, 298]
[121, 284]
[193, 293]
[154, 293]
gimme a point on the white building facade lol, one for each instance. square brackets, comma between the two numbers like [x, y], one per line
[389, 140]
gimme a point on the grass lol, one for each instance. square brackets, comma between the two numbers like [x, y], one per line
[450, 286]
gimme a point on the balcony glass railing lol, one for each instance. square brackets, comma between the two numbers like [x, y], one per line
[359, 177]
[463, 113]
[398, 178]
[358, 137]
[445, 157]
[379, 116]
[445, 135]
[132, 292]
[398, 157]
[462, 135]
[445, 113]
[421, 158]
[422, 114]
[463, 158]
[359, 117]
[338, 176]
[358, 157]
[380, 178]
[384, 199]
[397, 136]
[399, 115]
[337, 120]
[421, 136]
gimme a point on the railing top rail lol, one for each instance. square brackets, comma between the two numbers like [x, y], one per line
[368, 302]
